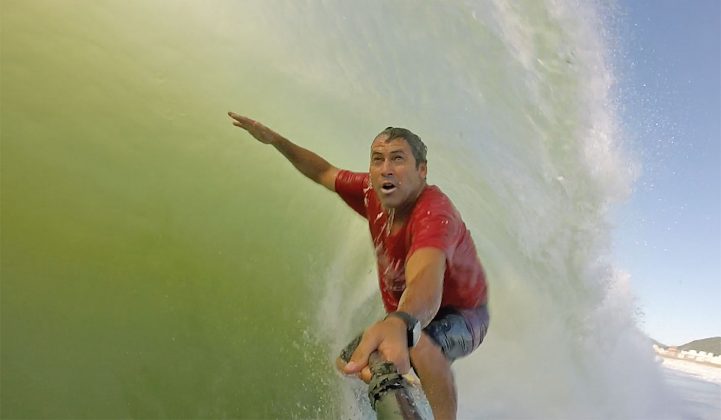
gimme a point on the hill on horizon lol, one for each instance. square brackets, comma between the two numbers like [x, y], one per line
[709, 345]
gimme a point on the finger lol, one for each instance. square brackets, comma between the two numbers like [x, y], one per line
[403, 366]
[245, 126]
[365, 374]
[396, 354]
[340, 364]
[359, 359]
[241, 119]
[400, 359]
[241, 124]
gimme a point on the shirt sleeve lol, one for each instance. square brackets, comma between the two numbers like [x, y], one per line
[352, 187]
[439, 229]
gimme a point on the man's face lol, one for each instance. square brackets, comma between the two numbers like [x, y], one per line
[393, 173]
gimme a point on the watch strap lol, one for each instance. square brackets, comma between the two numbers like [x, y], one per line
[411, 324]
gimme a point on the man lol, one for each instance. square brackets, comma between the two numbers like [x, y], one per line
[429, 273]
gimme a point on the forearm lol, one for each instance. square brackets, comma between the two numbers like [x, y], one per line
[424, 288]
[308, 163]
[421, 304]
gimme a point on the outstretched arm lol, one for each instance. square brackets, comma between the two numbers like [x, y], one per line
[308, 163]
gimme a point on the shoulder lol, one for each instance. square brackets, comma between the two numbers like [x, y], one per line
[434, 223]
[435, 212]
[348, 182]
[354, 188]
[347, 177]
[433, 201]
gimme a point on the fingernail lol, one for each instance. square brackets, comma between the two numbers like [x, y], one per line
[350, 366]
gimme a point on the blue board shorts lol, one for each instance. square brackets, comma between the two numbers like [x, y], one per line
[458, 331]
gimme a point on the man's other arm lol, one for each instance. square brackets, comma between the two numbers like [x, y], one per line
[422, 299]
[308, 163]
[424, 284]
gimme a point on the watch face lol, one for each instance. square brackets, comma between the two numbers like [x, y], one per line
[416, 333]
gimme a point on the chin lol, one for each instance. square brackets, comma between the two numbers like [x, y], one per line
[390, 205]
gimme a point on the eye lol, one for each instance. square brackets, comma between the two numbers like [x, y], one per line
[397, 158]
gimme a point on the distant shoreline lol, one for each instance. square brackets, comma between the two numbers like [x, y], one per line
[695, 362]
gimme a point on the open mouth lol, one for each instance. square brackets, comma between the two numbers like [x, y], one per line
[387, 187]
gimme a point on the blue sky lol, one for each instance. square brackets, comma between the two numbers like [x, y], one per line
[668, 234]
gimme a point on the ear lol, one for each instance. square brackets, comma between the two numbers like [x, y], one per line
[423, 169]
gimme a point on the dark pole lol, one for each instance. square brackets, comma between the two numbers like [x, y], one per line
[388, 391]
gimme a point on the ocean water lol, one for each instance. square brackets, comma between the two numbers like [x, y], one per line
[698, 386]
[158, 263]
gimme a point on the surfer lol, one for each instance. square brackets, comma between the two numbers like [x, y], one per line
[432, 282]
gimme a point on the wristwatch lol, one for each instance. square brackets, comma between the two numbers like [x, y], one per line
[413, 327]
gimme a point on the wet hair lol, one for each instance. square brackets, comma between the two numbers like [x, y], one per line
[417, 146]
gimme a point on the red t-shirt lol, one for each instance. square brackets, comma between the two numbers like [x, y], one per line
[433, 222]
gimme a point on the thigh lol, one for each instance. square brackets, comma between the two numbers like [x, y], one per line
[458, 331]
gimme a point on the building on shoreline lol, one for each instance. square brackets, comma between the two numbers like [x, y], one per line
[691, 355]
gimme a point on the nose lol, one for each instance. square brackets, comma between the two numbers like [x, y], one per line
[386, 168]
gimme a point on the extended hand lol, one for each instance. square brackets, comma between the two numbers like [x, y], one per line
[389, 338]
[262, 133]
